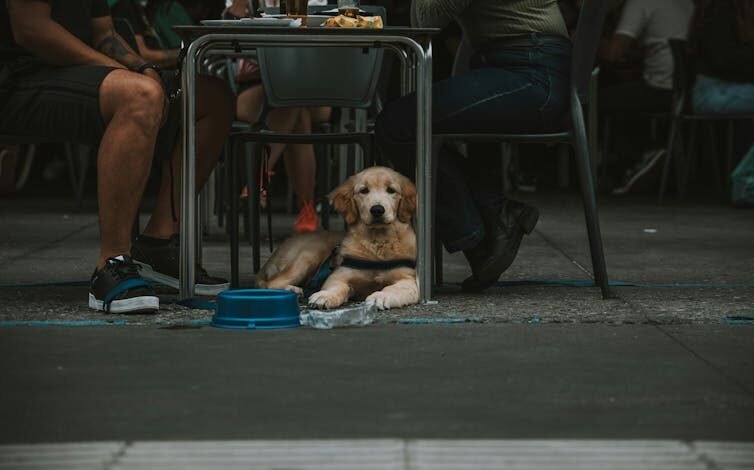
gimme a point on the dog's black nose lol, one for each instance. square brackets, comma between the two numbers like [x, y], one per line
[377, 210]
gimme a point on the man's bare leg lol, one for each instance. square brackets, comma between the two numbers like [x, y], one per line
[132, 107]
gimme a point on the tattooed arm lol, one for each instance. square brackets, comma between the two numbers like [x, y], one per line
[108, 42]
[35, 30]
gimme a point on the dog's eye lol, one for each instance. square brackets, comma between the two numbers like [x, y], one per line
[364, 190]
[391, 190]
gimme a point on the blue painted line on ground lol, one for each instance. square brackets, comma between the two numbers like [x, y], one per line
[63, 323]
[45, 284]
[590, 283]
[195, 303]
[159, 322]
[194, 322]
[738, 320]
[532, 282]
[426, 321]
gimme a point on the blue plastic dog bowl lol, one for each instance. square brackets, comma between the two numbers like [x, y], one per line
[256, 309]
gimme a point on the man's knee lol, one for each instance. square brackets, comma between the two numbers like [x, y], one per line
[147, 103]
[138, 98]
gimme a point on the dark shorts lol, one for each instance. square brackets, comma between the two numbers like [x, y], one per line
[62, 104]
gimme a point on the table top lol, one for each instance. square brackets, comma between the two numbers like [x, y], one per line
[193, 32]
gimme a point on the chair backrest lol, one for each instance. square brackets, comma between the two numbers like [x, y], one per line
[344, 77]
[585, 43]
[682, 75]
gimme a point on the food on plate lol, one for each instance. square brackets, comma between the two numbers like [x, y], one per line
[342, 21]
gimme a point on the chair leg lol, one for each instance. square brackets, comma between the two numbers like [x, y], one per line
[590, 201]
[436, 248]
[323, 170]
[250, 154]
[672, 136]
[233, 214]
[253, 180]
[221, 182]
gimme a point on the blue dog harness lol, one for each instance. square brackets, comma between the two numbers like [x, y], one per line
[327, 267]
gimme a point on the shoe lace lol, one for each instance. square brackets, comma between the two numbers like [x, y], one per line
[122, 269]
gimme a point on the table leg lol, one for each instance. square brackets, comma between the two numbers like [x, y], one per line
[188, 177]
[424, 171]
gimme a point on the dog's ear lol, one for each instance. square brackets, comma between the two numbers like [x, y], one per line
[407, 204]
[342, 201]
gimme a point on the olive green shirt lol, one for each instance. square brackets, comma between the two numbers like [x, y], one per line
[484, 20]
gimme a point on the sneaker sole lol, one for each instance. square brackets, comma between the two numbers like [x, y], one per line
[147, 272]
[145, 303]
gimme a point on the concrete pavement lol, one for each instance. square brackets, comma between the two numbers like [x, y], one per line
[539, 356]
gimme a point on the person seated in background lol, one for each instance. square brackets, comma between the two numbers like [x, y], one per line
[164, 14]
[518, 81]
[648, 24]
[134, 14]
[72, 77]
[722, 41]
[299, 159]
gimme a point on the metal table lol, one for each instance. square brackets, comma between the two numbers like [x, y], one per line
[413, 48]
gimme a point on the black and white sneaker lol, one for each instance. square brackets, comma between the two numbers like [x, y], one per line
[118, 288]
[645, 173]
[158, 261]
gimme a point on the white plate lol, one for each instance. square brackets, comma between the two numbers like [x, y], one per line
[334, 11]
[250, 22]
[311, 20]
[316, 20]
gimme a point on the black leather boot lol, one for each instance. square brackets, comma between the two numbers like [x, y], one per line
[496, 252]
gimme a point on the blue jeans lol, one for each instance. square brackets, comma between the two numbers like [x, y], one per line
[712, 95]
[521, 87]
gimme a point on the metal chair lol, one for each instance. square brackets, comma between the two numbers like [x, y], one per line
[682, 113]
[317, 83]
[585, 42]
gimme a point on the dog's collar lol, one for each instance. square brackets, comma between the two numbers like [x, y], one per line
[386, 265]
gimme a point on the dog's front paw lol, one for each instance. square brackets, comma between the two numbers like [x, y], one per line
[324, 299]
[381, 300]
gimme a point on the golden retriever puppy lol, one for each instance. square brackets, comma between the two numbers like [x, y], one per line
[376, 256]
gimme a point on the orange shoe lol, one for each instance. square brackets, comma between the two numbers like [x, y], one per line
[307, 220]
